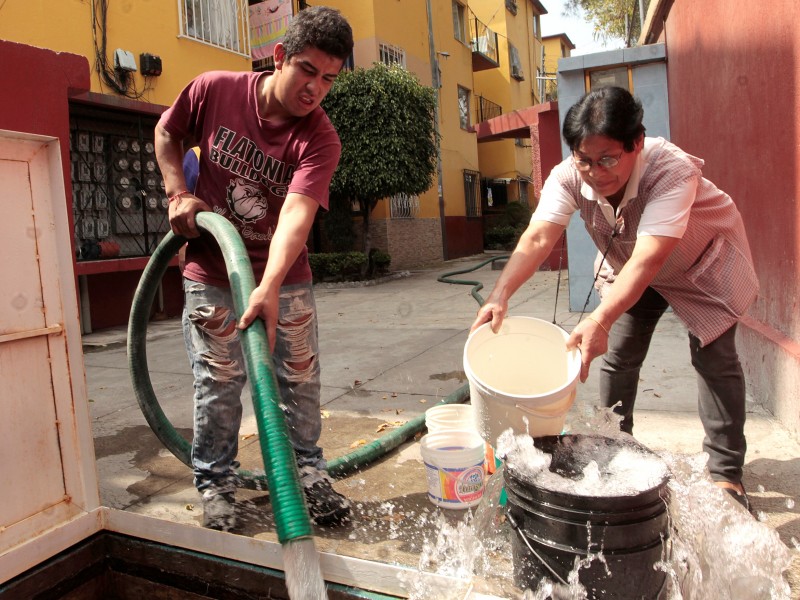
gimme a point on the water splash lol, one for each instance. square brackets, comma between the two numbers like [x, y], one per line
[303, 574]
[715, 549]
[718, 550]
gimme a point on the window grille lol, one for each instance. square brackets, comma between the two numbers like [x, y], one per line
[404, 206]
[219, 23]
[472, 197]
[463, 107]
[391, 55]
[119, 205]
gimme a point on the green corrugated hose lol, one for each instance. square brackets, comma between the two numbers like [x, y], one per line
[477, 286]
[281, 477]
[283, 481]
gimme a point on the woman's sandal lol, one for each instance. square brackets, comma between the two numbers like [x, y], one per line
[740, 498]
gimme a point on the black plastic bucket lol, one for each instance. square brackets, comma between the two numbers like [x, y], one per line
[555, 529]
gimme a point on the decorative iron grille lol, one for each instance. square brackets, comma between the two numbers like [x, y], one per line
[118, 202]
[404, 206]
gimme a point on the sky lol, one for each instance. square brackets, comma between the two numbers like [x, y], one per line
[576, 28]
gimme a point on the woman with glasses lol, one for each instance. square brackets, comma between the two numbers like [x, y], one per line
[666, 237]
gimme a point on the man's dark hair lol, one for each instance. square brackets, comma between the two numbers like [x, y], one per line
[609, 111]
[323, 28]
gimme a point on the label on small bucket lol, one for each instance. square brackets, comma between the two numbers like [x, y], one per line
[451, 487]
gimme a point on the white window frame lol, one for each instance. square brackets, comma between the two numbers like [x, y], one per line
[223, 24]
[391, 55]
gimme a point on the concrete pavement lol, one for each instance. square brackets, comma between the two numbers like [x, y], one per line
[388, 352]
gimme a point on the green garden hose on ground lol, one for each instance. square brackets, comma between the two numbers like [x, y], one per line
[280, 476]
[477, 285]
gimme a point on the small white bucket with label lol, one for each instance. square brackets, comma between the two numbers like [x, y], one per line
[454, 465]
[450, 417]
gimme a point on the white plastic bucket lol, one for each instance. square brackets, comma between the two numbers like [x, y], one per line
[454, 466]
[450, 417]
[522, 377]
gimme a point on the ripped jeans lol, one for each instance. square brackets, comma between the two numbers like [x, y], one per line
[215, 354]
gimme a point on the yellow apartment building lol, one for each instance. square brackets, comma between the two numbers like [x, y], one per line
[97, 75]
[515, 84]
[555, 47]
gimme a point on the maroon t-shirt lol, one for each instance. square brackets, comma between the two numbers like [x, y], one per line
[248, 165]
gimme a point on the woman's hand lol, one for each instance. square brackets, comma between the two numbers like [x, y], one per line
[591, 338]
[493, 311]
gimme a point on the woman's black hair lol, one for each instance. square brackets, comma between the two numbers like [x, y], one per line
[321, 27]
[609, 111]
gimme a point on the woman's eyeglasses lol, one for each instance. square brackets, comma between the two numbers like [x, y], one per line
[607, 162]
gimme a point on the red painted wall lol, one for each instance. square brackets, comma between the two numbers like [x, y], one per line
[37, 85]
[734, 97]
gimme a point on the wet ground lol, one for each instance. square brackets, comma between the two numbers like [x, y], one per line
[390, 351]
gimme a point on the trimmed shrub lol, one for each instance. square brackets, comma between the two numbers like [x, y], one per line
[337, 266]
[502, 237]
[379, 262]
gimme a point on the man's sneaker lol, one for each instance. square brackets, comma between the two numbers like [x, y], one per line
[219, 511]
[326, 505]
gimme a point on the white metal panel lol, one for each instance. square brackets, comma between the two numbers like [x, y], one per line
[28, 432]
[47, 467]
[20, 294]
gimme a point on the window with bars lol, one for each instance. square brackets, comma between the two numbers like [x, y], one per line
[119, 205]
[404, 206]
[391, 55]
[220, 23]
[463, 108]
[472, 193]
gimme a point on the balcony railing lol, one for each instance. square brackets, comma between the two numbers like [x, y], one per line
[486, 109]
[484, 46]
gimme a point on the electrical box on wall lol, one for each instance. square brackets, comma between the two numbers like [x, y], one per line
[150, 64]
[123, 60]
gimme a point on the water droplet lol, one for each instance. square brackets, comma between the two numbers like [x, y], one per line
[19, 302]
[790, 503]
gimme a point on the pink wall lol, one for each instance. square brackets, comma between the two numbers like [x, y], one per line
[734, 97]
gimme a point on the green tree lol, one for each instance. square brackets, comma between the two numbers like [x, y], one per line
[385, 119]
[612, 19]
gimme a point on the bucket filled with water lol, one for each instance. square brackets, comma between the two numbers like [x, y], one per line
[593, 503]
[521, 377]
[454, 466]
